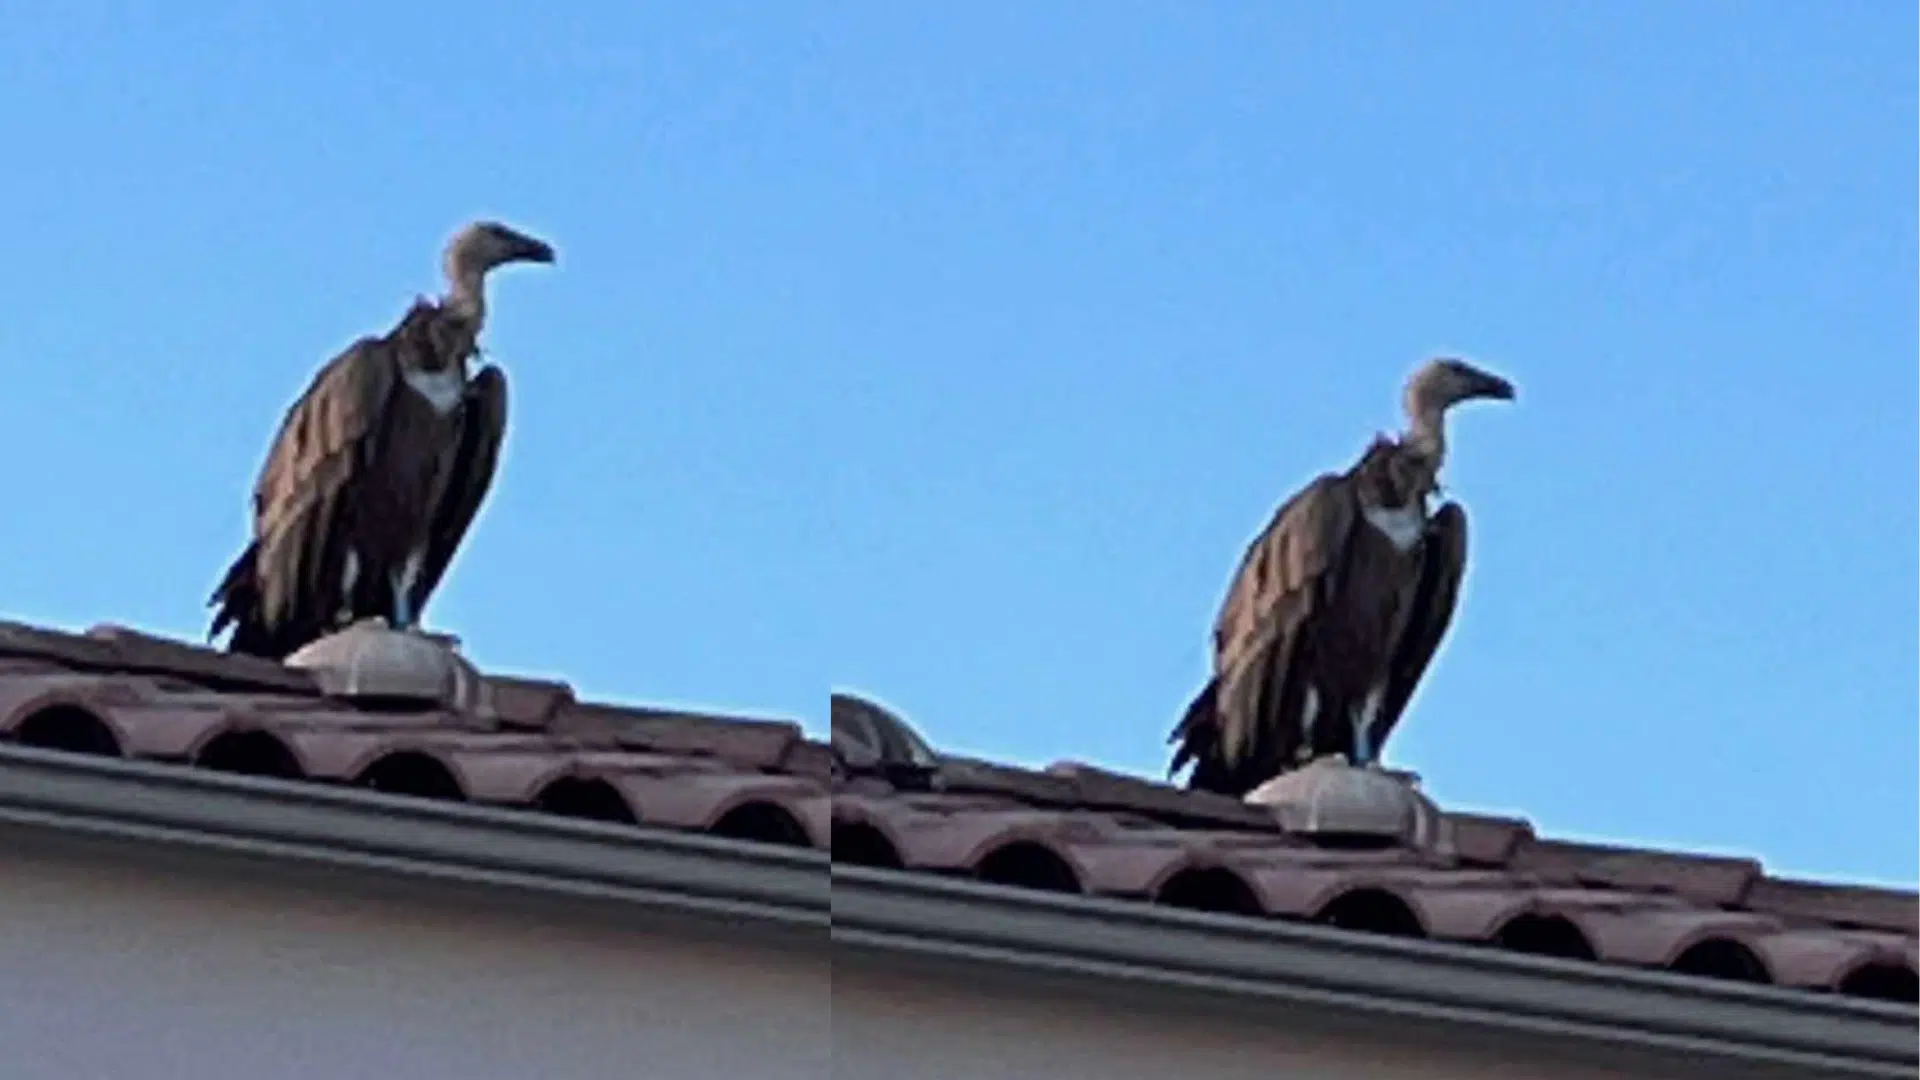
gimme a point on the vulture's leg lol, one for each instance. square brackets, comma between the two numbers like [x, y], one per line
[1309, 712]
[349, 577]
[1363, 721]
[404, 617]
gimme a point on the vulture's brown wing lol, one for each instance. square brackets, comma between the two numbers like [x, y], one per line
[1284, 578]
[483, 425]
[1300, 544]
[326, 439]
[1442, 567]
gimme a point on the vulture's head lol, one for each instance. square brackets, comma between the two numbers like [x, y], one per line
[484, 245]
[1445, 382]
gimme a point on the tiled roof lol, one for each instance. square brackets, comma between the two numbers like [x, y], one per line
[119, 692]
[886, 800]
[1079, 829]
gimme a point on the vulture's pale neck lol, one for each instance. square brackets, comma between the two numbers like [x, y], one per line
[467, 294]
[1426, 429]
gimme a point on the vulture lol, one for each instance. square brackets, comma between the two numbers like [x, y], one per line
[377, 470]
[1337, 606]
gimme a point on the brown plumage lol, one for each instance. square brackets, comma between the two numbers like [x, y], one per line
[1337, 607]
[378, 469]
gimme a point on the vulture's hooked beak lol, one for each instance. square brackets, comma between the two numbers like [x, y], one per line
[528, 249]
[1470, 383]
[1494, 387]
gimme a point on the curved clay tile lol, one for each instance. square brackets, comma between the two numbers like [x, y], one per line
[699, 801]
[1820, 959]
[1658, 937]
[1135, 870]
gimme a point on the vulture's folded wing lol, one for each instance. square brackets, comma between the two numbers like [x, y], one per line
[326, 439]
[483, 425]
[1283, 579]
[1443, 564]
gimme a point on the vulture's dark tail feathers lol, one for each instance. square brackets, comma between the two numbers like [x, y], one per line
[236, 596]
[237, 602]
[1196, 734]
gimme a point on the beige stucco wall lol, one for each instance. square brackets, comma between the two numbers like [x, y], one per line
[112, 968]
[891, 1023]
[175, 974]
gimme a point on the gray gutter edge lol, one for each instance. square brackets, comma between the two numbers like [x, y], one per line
[161, 806]
[1688, 1019]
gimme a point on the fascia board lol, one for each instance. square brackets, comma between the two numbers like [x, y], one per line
[162, 807]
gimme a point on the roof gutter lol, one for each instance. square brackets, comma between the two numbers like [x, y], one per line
[1701, 1024]
[169, 808]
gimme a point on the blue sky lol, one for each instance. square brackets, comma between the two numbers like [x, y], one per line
[952, 355]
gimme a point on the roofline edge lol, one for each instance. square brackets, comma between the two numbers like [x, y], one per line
[1679, 1017]
[675, 873]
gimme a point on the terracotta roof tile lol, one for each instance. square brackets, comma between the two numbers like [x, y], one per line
[1494, 882]
[532, 746]
[1708, 879]
[1488, 841]
[1838, 905]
